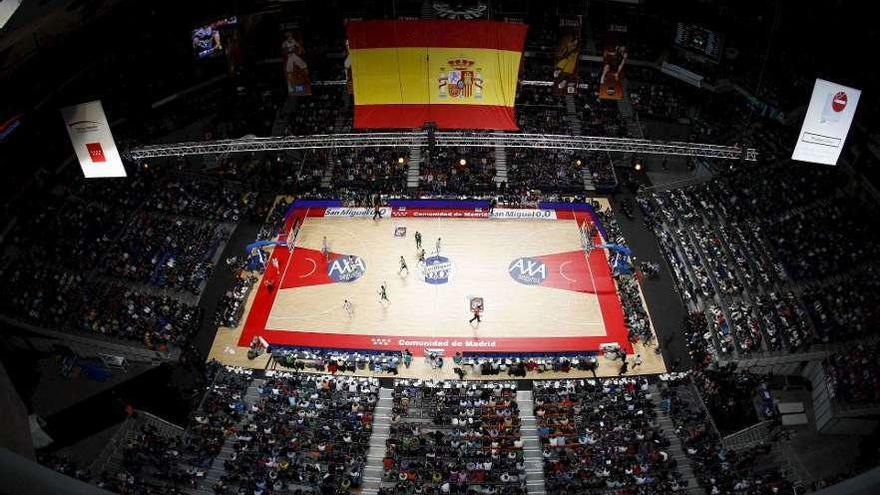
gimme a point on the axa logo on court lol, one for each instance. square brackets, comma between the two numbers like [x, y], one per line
[528, 271]
[346, 268]
[437, 269]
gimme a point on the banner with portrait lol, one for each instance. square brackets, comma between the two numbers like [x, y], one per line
[293, 56]
[565, 69]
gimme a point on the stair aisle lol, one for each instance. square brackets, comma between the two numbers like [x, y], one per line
[531, 443]
[427, 10]
[414, 167]
[500, 165]
[676, 450]
[216, 470]
[381, 427]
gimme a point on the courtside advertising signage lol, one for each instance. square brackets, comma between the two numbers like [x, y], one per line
[90, 135]
[827, 123]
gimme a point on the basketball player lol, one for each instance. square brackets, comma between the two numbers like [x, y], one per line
[377, 212]
[403, 266]
[275, 264]
[437, 246]
[325, 249]
[422, 256]
[383, 293]
[477, 310]
[418, 240]
[348, 308]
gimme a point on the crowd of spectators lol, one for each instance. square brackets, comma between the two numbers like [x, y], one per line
[340, 361]
[454, 437]
[218, 416]
[61, 300]
[161, 229]
[539, 111]
[601, 435]
[545, 170]
[738, 246]
[461, 170]
[846, 309]
[717, 469]
[370, 169]
[150, 454]
[659, 101]
[523, 365]
[600, 118]
[305, 431]
[324, 112]
[167, 253]
[854, 374]
[729, 397]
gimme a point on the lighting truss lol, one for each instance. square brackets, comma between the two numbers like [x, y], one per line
[444, 139]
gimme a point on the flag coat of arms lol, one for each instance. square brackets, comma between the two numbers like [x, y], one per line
[458, 74]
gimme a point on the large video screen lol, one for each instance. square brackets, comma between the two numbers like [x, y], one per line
[827, 123]
[210, 41]
[700, 40]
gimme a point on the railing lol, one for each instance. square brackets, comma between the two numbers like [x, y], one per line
[444, 139]
[761, 430]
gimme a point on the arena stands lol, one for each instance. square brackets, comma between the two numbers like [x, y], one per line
[544, 170]
[371, 170]
[719, 470]
[854, 374]
[446, 173]
[775, 262]
[454, 437]
[304, 431]
[600, 435]
[539, 111]
[757, 285]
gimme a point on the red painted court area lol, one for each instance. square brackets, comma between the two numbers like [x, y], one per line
[567, 271]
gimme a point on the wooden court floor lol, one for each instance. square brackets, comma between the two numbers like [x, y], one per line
[480, 253]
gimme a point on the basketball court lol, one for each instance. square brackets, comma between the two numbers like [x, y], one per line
[540, 290]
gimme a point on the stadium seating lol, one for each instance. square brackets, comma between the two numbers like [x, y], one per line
[854, 374]
[600, 435]
[305, 430]
[453, 437]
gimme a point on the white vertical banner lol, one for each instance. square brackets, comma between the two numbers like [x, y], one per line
[827, 123]
[90, 134]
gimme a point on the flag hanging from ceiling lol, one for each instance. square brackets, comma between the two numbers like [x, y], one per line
[458, 74]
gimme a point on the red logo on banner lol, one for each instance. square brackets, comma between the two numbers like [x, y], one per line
[838, 103]
[96, 152]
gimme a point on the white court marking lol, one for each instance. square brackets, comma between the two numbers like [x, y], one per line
[314, 267]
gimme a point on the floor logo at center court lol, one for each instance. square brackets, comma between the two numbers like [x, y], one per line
[346, 268]
[528, 271]
[437, 269]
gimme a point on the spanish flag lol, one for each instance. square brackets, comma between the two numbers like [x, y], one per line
[459, 74]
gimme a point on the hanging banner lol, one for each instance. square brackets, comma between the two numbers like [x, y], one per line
[565, 72]
[458, 74]
[826, 123]
[348, 82]
[92, 141]
[293, 56]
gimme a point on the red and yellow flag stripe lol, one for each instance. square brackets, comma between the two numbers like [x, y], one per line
[459, 74]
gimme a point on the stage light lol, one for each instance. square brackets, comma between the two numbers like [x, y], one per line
[462, 162]
[638, 166]
[578, 162]
[400, 160]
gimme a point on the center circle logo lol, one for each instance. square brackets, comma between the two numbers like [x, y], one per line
[437, 269]
[528, 271]
[346, 268]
